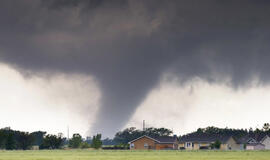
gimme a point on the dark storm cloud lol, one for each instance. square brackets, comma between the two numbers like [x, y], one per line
[128, 45]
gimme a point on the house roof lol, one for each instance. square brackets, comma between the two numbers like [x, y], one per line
[256, 137]
[246, 139]
[255, 144]
[204, 138]
[161, 139]
[166, 139]
[265, 138]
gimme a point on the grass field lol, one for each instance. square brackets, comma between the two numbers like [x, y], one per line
[133, 155]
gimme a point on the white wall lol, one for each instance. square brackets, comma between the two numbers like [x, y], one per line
[250, 147]
[266, 142]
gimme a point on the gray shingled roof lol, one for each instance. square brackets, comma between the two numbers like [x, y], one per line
[203, 137]
[166, 139]
[256, 137]
[255, 144]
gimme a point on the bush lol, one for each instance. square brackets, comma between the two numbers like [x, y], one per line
[84, 145]
[216, 145]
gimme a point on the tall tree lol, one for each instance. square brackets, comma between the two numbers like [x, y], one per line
[38, 137]
[2, 139]
[75, 141]
[96, 142]
[10, 142]
[25, 140]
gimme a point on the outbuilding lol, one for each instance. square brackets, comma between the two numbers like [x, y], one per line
[255, 146]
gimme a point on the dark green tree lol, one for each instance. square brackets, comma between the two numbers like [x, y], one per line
[52, 142]
[10, 142]
[38, 137]
[217, 144]
[96, 142]
[2, 139]
[25, 140]
[75, 141]
[157, 132]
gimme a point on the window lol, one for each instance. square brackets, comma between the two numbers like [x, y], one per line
[132, 145]
[188, 144]
[146, 145]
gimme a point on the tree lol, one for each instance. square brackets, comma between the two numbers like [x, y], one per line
[84, 145]
[157, 132]
[2, 139]
[52, 142]
[216, 145]
[123, 137]
[25, 140]
[266, 127]
[96, 142]
[200, 130]
[38, 137]
[10, 142]
[214, 131]
[76, 141]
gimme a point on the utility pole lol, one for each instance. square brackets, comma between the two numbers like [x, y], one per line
[68, 133]
[143, 125]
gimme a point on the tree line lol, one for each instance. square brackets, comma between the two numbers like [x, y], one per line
[18, 140]
[237, 133]
[11, 139]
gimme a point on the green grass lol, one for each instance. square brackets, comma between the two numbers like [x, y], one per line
[133, 155]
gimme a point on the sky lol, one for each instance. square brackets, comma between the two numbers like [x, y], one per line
[100, 66]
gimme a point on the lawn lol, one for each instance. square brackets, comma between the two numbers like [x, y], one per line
[133, 155]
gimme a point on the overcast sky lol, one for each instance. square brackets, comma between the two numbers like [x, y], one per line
[100, 66]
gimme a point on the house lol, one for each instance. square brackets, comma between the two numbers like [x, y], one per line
[255, 146]
[204, 141]
[266, 142]
[256, 141]
[156, 143]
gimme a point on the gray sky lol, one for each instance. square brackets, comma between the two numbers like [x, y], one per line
[103, 65]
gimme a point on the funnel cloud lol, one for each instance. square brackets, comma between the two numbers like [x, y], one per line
[128, 45]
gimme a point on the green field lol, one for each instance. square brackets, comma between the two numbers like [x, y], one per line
[133, 155]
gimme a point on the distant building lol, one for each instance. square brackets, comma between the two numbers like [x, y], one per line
[256, 141]
[255, 146]
[204, 141]
[266, 142]
[156, 143]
